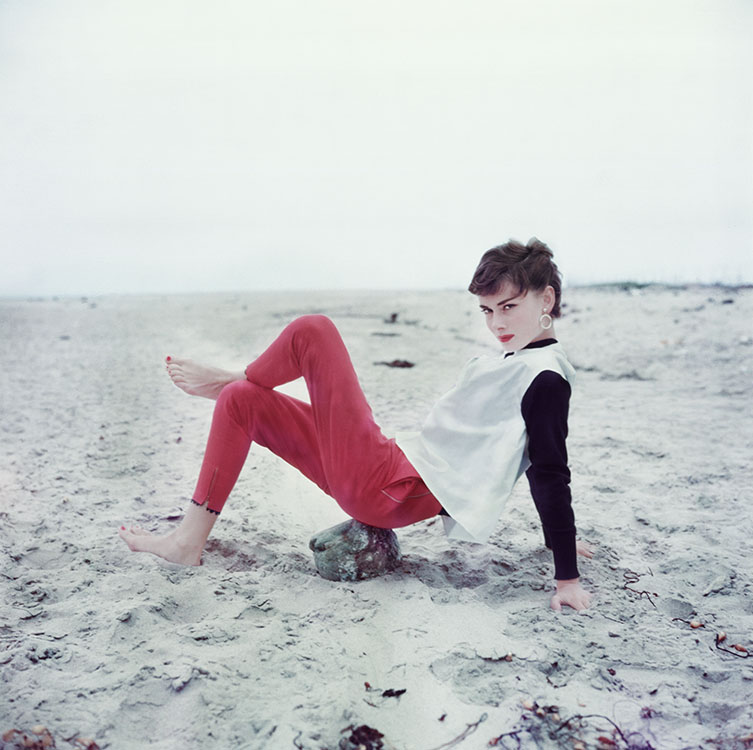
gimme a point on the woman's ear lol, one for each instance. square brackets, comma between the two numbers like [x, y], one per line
[549, 297]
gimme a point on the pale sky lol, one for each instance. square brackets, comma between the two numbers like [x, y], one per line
[177, 146]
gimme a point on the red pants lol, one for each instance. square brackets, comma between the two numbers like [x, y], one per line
[334, 441]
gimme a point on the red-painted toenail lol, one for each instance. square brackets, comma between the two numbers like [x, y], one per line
[122, 528]
[169, 359]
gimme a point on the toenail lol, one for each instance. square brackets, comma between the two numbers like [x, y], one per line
[169, 359]
[122, 528]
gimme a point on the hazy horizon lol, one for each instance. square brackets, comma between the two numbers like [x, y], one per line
[178, 147]
[627, 285]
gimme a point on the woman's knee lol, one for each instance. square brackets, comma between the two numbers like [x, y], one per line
[315, 329]
[314, 323]
[236, 397]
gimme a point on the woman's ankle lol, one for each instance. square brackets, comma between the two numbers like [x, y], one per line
[193, 531]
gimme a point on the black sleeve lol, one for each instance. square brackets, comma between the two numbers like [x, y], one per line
[545, 408]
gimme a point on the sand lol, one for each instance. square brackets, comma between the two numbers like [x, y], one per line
[254, 650]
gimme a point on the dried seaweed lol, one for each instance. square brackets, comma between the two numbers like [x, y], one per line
[632, 577]
[469, 730]
[544, 723]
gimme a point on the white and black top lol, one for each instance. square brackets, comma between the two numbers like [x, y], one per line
[506, 415]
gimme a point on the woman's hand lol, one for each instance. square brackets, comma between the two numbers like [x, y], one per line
[571, 594]
[584, 549]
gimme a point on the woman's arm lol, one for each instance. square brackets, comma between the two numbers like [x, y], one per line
[545, 408]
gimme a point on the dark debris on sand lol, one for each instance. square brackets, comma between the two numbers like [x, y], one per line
[362, 738]
[397, 363]
[40, 738]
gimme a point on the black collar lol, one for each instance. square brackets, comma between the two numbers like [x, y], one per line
[535, 345]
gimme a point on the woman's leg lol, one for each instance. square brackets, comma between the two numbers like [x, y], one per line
[366, 473]
[353, 451]
[244, 413]
[334, 441]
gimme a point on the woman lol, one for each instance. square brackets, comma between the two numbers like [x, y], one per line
[506, 415]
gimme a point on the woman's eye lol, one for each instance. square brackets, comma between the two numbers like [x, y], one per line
[487, 311]
[508, 307]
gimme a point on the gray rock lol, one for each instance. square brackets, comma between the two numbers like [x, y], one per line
[353, 551]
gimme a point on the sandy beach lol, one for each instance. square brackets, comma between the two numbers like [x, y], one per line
[457, 647]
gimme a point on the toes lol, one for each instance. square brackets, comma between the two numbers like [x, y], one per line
[174, 367]
[132, 531]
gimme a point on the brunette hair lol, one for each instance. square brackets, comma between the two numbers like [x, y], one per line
[526, 267]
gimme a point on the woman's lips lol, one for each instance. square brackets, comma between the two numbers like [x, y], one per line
[507, 337]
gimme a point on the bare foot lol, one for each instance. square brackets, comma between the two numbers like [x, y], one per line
[200, 380]
[166, 547]
[183, 544]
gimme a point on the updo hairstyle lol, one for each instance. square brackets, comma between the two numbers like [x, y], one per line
[525, 267]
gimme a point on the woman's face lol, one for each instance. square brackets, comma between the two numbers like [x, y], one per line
[513, 317]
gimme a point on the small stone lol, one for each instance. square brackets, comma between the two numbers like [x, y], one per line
[695, 624]
[353, 551]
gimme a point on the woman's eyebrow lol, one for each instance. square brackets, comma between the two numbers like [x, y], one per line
[503, 302]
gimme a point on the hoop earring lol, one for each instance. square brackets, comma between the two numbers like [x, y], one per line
[546, 321]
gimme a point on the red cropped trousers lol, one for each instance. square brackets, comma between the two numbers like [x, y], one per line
[333, 441]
